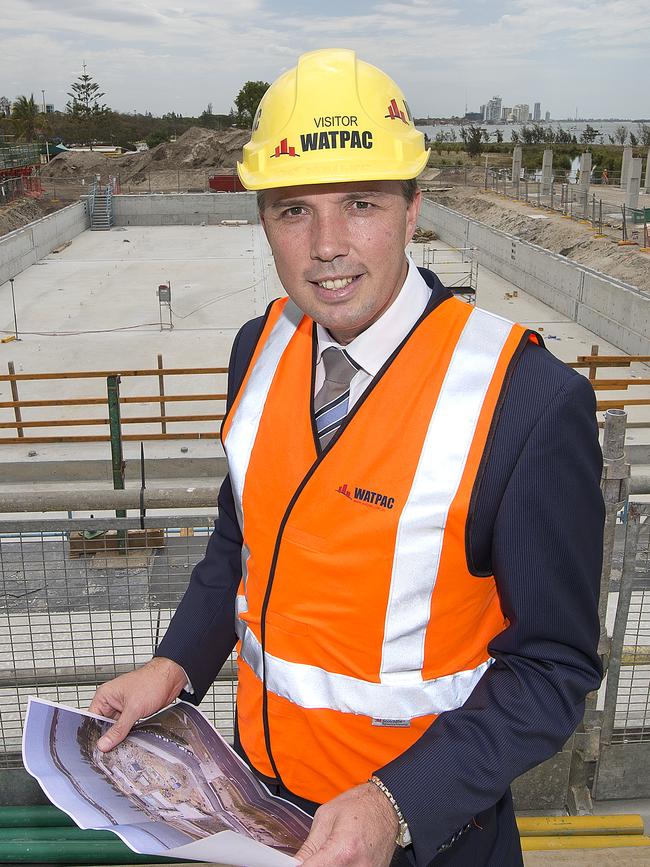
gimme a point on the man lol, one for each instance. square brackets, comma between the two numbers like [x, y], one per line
[408, 541]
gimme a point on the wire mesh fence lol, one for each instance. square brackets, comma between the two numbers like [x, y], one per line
[85, 602]
[628, 695]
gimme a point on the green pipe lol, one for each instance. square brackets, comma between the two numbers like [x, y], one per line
[74, 852]
[37, 817]
[54, 833]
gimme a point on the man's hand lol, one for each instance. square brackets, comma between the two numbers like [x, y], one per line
[135, 695]
[356, 829]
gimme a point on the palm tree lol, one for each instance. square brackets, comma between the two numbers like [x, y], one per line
[25, 115]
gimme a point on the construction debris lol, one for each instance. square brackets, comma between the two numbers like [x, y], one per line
[423, 236]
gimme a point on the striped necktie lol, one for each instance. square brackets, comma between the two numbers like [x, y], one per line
[332, 401]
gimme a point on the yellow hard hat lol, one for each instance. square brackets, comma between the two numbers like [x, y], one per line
[332, 118]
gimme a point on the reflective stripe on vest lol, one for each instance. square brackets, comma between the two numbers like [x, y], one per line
[311, 687]
[417, 552]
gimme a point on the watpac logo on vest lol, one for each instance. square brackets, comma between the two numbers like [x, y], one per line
[367, 497]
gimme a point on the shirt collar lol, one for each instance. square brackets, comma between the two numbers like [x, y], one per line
[372, 348]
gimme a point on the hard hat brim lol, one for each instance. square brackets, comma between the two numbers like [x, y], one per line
[332, 173]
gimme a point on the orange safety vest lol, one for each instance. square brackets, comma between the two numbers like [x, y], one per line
[358, 618]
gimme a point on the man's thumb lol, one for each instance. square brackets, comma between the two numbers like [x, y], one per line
[306, 851]
[115, 735]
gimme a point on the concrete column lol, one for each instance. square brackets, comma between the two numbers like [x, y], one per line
[647, 172]
[633, 183]
[547, 171]
[516, 168]
[585, 177]
[625, 166]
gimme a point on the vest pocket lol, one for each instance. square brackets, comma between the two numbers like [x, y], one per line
[308, 541]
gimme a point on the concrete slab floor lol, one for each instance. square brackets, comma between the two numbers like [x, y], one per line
[94, 305]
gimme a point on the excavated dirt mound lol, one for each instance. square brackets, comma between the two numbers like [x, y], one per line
[566, 237]
[17, 214]
[196, 150]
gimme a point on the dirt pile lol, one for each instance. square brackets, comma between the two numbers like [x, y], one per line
[198, 149]
[17, 214]
[566, 237]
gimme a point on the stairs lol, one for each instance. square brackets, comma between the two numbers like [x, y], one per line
[101, 213]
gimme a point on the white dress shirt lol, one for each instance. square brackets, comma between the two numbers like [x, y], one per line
[371, 349]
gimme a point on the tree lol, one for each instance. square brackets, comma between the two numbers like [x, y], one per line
[633, 140]
[644, 133]
[474, 140]
[247, 100]
[499, 136]
[589, 135]
[84, 105]
[620, 135]
[5, 107]
[25, 115]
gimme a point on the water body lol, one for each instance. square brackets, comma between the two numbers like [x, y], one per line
[605, 128]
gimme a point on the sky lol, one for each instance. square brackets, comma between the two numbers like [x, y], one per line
[180, 55]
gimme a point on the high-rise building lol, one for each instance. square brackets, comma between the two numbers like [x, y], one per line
[505, 113]
[493, 110]
[537, 111]
[520, 113]
[547, 116]
[482, 112]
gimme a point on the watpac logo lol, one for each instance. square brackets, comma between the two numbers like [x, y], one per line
[367, 497]
[283, 150]
[395, 113]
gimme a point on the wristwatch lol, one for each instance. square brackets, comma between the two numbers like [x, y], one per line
[403, 837]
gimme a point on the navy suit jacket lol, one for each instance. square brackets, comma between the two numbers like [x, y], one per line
[535, 524]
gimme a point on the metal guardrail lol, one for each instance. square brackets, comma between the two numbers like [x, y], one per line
[48, 430]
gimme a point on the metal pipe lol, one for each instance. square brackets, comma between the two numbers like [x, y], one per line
[615, 488]
[640, 484]
[117, 459]
[39, 817]
[545, 826]
[81, 675]
[89, 500]
[75, 852]
[52, 832]
[597, 841]
[62, 526]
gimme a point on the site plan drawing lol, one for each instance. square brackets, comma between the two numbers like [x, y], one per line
[174, 787]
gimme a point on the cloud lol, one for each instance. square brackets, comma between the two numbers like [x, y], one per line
[179, 55]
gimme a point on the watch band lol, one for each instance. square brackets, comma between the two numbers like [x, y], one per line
[403, 833]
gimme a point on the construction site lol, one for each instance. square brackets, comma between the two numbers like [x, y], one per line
[123, 282]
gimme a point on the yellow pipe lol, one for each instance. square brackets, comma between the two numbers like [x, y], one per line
[544, 826]
[599, 841]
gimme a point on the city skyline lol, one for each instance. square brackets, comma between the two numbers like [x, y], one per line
[160, 57]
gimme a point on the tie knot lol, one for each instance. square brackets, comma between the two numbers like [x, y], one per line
[338, 368]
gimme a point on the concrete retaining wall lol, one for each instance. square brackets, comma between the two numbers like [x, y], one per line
[24, 247]
[183, 209]
[615, 311]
